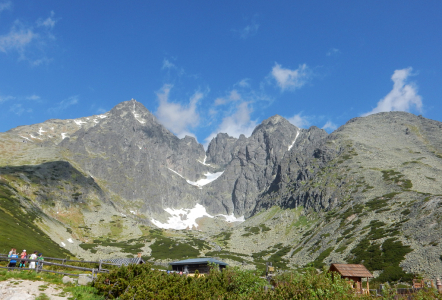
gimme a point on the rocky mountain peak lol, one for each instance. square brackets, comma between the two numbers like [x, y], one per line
[273, 123]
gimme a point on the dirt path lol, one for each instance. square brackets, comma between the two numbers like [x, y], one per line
[16, 289]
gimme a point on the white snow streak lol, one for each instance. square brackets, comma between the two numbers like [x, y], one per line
[102, 116]
[201, 182]
[290, 147]
[63, 244]
[186, 218]
[70, 240]
[40, 131]
[210, 177]
[232, 218]
[35, 137]
[79, 122]
[63, 135]
[204, 162]
[137, 116]
[177, 173]
[25, 137]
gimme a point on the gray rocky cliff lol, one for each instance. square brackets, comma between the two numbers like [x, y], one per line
[253, 166]
[139, 160]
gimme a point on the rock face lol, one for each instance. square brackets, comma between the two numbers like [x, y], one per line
[303, 192]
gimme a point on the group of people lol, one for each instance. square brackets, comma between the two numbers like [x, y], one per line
[22, 257]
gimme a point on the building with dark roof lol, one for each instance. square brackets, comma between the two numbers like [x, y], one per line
[193, 264]
[125, 261]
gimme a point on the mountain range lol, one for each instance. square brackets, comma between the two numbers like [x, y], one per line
[120, 183]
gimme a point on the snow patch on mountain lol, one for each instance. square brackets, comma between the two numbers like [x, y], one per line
[209, 178]
[183, 218]
[79, 122]
[201, 182]
[231, 218]
[186, 218]
[290, 147]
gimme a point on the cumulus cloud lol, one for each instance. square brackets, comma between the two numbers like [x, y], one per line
[177, 117]
[329, 126]
[236, 124]
[299, 121]
[402, 97]
[290, 79]
[64, 104]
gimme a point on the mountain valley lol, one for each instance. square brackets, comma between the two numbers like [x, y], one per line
[120, 183]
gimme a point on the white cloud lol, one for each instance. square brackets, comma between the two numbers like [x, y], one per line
[17, 39]
[299, 121]
[236, 124]
[402, 97]
[167, 64]
[48, 22]
[329, 125]
[101, 110]
[18, 109]
[6, 98]
[63, 105]
[244, 83]
[30, 42]
[5, 5]
[333, 51]
[33, 98]
[290, 79]
[176, 117]
[249, 30]
[233, 96]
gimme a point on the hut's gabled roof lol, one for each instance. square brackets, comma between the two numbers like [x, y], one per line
[349, 270]
[124, 261]
[194, 261]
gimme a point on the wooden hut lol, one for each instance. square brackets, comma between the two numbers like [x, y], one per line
[191, 265]
[355, 273]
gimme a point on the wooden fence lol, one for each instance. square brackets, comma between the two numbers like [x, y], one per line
[41, 264]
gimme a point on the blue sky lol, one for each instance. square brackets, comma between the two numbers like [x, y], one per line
[204, 67]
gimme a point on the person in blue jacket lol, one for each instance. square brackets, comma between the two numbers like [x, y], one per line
[13, 261]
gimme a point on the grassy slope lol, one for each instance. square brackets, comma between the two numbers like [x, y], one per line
[18, 230]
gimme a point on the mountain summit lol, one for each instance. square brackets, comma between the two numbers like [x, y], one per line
[288, 194]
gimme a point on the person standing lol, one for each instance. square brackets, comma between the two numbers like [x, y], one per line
[10, 252]
[33, 257]
[13, 261]
[40, 261]
[23, 262]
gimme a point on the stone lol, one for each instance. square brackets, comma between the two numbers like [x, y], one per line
[67, 279]
[84, 279]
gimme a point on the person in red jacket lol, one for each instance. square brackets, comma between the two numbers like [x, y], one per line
[23, 262]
